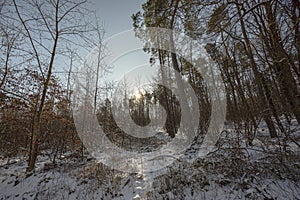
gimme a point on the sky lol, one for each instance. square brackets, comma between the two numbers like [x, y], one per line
[116, 14]
[116, 17]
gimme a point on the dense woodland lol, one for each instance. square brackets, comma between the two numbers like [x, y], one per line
[256, 45]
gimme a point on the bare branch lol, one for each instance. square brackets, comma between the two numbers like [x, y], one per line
[72, 8]
[30, 38]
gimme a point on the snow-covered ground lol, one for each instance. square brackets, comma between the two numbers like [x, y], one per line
[267, 170]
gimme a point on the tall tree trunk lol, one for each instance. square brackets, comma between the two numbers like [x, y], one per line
[295, 15]
[258, 77]
[184, 103]
[37, 120]
[281, 64]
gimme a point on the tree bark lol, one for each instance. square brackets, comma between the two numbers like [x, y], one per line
[281, 64]
[258, 76]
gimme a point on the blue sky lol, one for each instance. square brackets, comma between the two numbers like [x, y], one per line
[116, 14]
[116, 17]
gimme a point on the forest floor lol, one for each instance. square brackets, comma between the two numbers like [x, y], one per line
[269, 169]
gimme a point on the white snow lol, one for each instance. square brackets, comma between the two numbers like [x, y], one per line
[232, 170]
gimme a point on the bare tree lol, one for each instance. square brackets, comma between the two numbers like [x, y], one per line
[48, 26]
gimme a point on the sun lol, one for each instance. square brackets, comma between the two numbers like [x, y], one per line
[138, 96]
